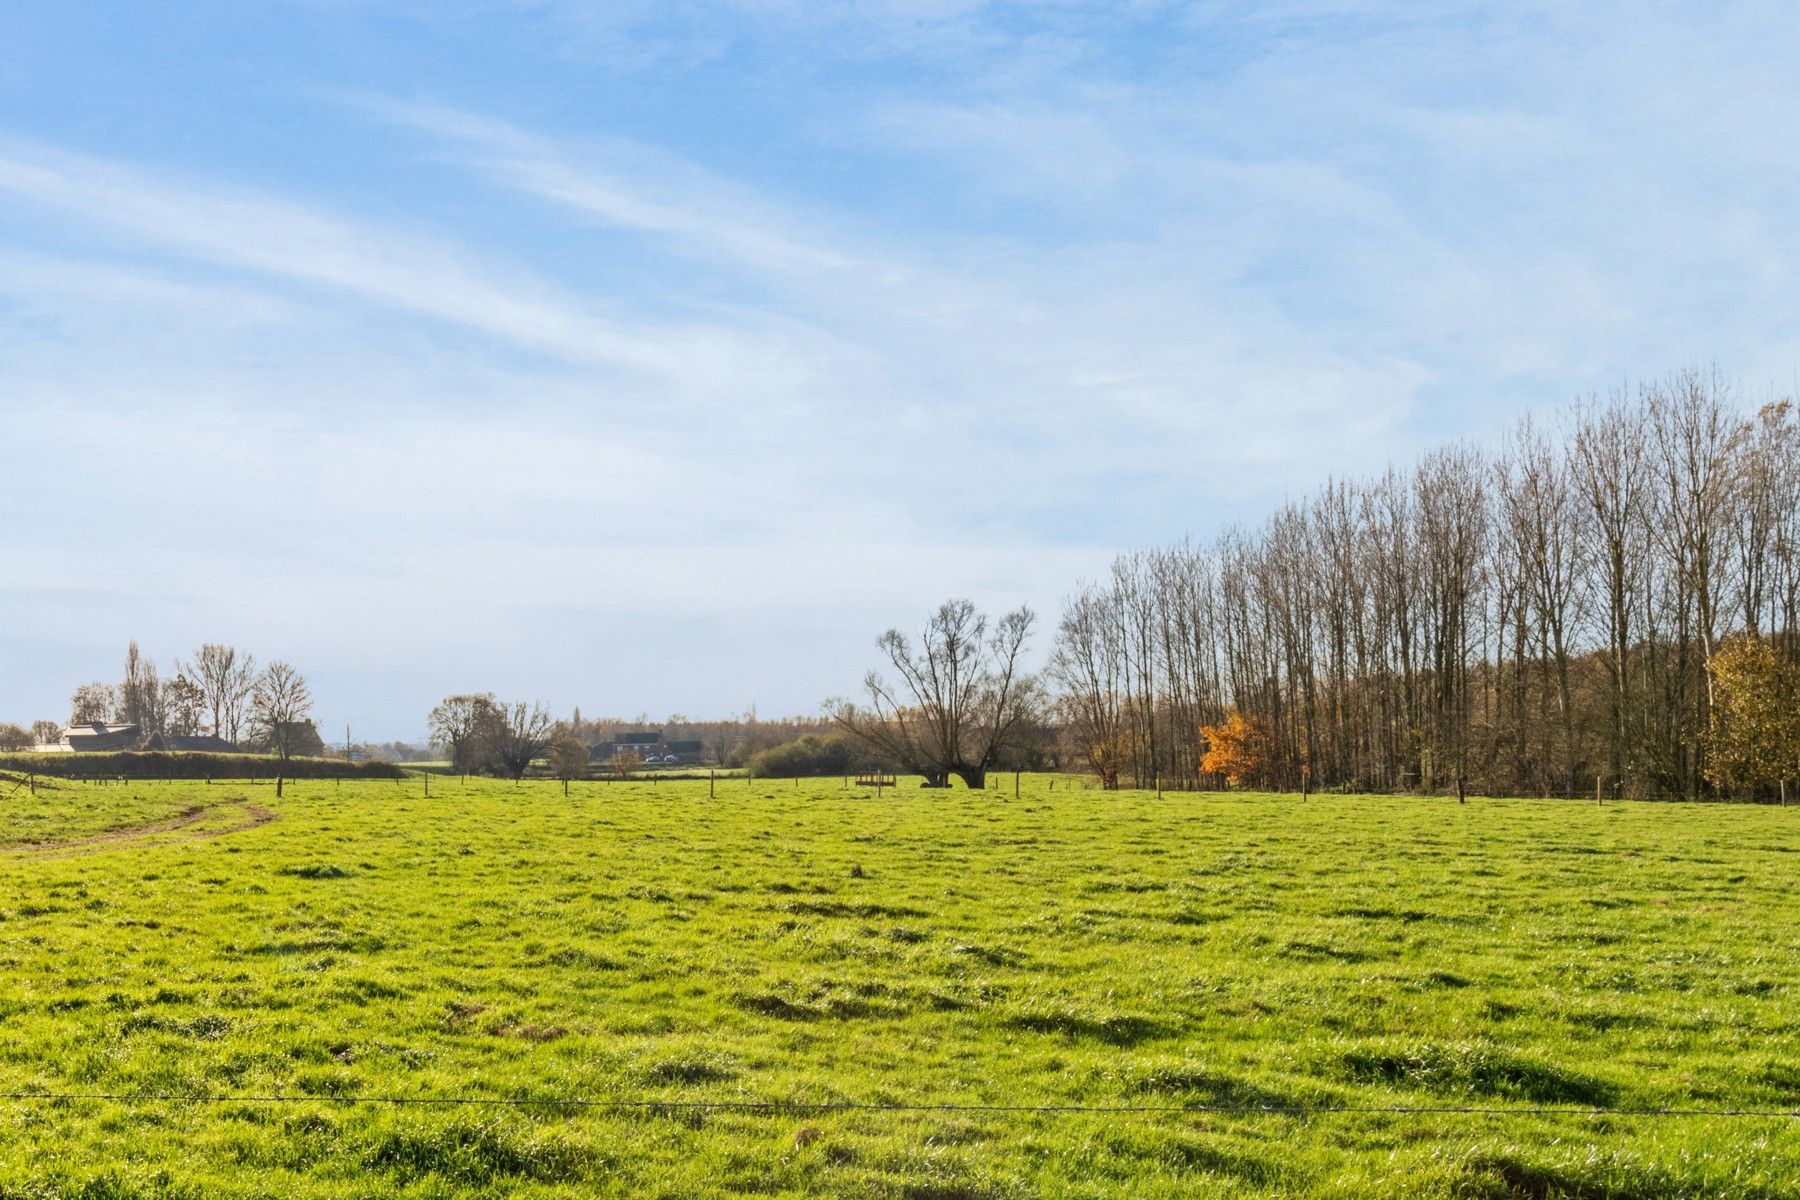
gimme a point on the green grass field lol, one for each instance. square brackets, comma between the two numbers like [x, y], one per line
[812, 946]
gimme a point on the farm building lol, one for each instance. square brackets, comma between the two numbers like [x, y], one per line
[104, 736]
[301, 738]
[101, 736]
[687, 751]
[650, 747]
[641, 743]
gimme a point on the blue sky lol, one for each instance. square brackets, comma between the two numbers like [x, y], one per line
[652, 357]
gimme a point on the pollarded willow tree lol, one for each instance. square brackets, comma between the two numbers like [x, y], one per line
[524, 732]
[485, 734]
[953, 701]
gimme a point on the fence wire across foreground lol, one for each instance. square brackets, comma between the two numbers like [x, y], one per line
[829, 1106]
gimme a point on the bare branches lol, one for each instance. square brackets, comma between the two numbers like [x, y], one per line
[466, 725]
[952, 703]
[524, 732]
[485, 735]
[1523, 620]
[226, 680]
[280, 706]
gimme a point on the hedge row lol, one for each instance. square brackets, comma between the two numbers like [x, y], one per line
[184, 764]
[812, 755]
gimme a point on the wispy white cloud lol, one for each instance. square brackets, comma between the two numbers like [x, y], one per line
[242, 229]
[1074, 352]
[644, 191]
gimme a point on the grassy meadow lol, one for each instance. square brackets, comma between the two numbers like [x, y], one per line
[208, 949]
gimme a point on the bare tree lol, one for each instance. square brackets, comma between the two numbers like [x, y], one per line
[1695, 440]
[523, 734]
[954, 702]
[46, 733]
[1539, 529]
[568, 757]
[184, 707]
[1089, 668]
[14, 738]
[280, 705]
[93, 704]
[1611, 478]
[468, 725]
[141, 694]
[226, 680]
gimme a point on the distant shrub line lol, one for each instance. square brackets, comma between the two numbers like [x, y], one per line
[813, 755]
[177, 764]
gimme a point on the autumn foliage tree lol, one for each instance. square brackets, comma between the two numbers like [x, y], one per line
[1518, 621]
[1236, 749]
[1755, 728]
[1108, 754]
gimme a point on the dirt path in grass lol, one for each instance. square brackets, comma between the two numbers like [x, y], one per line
[182, 826]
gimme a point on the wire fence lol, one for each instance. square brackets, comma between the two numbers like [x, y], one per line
[849, 1106]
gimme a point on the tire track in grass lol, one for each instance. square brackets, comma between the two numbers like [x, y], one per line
[181, 826]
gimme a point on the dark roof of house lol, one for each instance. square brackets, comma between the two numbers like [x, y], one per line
[640, 738]
[101, 729]
[686, 747]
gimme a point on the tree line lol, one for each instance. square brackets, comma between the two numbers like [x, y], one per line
[1608, 600]
[219, 692]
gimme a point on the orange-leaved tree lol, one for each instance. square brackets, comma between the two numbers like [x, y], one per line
[1755, 731]
[1108, 755]
[1236, 749]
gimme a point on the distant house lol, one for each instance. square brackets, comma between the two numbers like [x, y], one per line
[649, 746]
[300, 737]
[101, 736]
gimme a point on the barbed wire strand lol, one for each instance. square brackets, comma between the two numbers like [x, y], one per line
[825, 1106]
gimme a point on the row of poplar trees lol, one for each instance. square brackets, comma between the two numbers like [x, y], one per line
[1538, 618]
